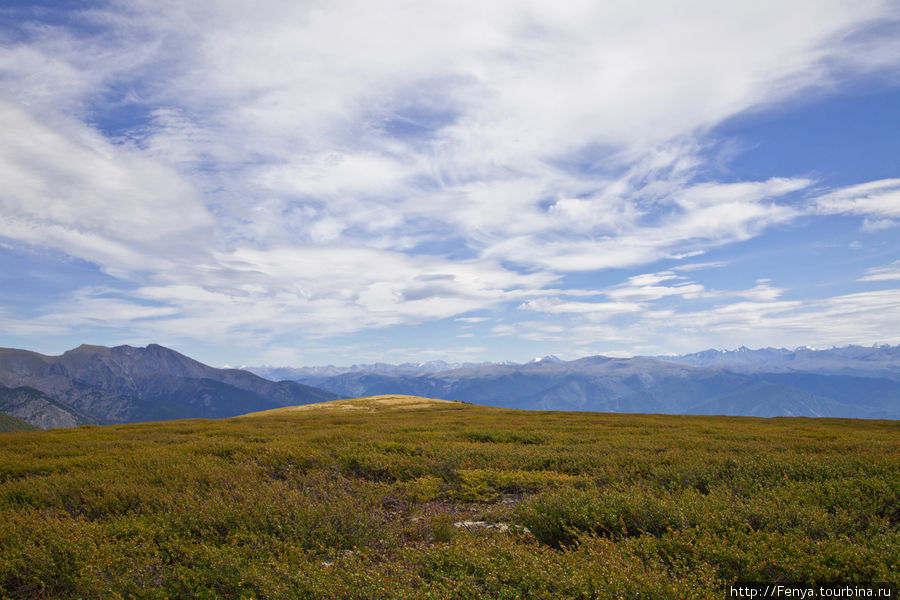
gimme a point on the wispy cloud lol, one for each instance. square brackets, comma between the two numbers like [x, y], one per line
[880, 199]
[701, 266]
[94, 200]
[646, 287]
[888, 273]
[878, 224]
[594, 310]
[858, 318]
[252, 169]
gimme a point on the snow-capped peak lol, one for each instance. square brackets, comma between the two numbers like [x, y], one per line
[550, 358]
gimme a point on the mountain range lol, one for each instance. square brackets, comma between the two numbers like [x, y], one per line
[861, 361]
[124, 384]
[853, 381]
[304, 373]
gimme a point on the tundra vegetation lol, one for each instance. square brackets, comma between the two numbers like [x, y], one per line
[406, 498]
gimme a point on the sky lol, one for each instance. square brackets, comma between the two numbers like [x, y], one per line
[339, 182]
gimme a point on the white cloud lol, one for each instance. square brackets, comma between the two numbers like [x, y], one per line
[888, 273]
[704, 195]
[647, 279]
[594, 310]
[323, 291]
[654, 292]
[762, 292]
[857, 318]
[534, 331]
[878, 224]
[644, 287]
[94, 200]
[330, 176]
[701, 266]
[739, 212]
[876, 199]
[328, 167]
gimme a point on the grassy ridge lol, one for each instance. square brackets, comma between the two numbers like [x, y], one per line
[11, 423]
[369, 502]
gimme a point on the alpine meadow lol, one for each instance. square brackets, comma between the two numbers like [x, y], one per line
[403, 497]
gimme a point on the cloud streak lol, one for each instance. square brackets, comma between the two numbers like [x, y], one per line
[879, 199]
[887, 273]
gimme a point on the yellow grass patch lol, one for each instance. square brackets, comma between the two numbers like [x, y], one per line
[368, 404]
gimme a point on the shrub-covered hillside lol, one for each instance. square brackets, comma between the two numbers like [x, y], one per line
[409, 498]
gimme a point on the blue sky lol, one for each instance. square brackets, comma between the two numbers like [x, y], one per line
[298, 183]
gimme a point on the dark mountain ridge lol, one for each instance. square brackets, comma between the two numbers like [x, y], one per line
[127, 384]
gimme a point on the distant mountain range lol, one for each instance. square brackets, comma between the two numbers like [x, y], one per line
[96, 384]
[853, 381]
[303, 373]
[861, 361]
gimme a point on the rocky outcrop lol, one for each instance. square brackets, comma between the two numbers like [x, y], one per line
[39, 409]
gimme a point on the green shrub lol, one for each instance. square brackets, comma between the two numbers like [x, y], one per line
[321, 504]
[422, 489]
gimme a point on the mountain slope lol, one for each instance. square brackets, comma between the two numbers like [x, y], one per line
[39, 409]
[10, 423]
[128, 384]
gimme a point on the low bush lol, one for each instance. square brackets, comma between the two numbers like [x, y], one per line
[319, 504]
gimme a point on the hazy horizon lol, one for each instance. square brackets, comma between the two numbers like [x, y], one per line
[252, 366]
